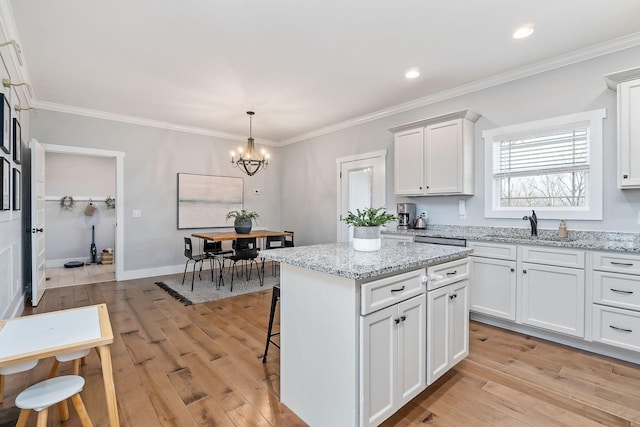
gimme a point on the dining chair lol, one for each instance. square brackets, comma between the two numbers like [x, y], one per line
[215, 252]
[288, 240]
[188, 253]
[275, 242]
[14, 369]
[245, 251]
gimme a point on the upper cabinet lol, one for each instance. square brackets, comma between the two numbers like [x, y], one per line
[434, 156]
[627, 83]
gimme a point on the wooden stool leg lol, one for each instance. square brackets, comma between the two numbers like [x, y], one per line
[42, 418]
[81, 410]
[84, 360]
[64, 410]
[1, 388]
[76, 367]
[54, 368]
[23, 418]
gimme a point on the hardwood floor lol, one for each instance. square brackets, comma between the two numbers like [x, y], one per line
[201, 365]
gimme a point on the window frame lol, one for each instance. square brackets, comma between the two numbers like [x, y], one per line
[592, 210]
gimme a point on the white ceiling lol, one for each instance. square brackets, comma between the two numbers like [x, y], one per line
[300, 65]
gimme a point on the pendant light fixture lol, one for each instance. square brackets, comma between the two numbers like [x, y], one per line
[249, 161]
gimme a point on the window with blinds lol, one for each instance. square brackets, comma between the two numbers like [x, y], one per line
[549, 168]
[552, 165]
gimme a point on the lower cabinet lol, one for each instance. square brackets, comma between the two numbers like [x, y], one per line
[493, 291]
[447, 328]
[393, 350]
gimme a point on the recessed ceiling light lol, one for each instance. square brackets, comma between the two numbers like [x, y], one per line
[524, 31]
[412, 73]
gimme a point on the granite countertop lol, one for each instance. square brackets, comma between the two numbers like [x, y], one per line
[339, 259]
[577, 239]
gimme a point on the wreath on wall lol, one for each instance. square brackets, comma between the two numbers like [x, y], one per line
[110, 202]
[67, 203]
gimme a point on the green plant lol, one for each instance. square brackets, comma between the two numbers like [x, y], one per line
[370, 217]
[243, 215]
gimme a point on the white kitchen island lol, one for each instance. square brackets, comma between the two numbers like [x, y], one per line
[353, 329]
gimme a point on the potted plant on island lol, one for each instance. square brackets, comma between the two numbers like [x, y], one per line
[243, 220]
[366, 227]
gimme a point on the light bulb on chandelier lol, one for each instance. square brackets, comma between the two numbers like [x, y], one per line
[248, 160]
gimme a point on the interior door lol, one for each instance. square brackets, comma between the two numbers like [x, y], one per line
[361, 185]
[38, 273]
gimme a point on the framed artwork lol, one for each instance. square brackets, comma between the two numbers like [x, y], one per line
[6, 192]
[17, 187]
[5, 110]
[204, 200]
[17, 141]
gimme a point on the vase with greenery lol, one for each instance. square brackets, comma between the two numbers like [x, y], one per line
[366, 227]
[243, 220]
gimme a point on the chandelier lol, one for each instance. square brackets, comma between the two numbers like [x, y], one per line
[249, 161]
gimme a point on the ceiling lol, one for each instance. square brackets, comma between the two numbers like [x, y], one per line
[302, 66]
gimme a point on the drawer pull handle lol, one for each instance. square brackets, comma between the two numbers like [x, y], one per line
[452, 273]
[397, 321]
[618, 291]
[398, 290]
[624, 264]
[403, 318]
[620, 329]
[453, 296]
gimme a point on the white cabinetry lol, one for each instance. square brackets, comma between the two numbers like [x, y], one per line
[435, 156]
[493, 279]
[447, 317]
[627, 83]
[553, 289]
[392, 345]
[616, 300]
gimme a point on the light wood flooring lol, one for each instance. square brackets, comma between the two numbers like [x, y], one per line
[201, 365]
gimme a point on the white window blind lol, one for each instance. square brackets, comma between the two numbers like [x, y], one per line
[552, 152]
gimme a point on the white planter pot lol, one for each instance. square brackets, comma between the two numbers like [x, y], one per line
[366, 239]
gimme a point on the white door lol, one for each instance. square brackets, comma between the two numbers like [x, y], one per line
[437, 333]
[409, 162]
[443, 157]
[38, 273]
[412, 348]
[493, 291]
[459, 321]
[361, 185]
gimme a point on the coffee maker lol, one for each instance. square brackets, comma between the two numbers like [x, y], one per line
[406, 215]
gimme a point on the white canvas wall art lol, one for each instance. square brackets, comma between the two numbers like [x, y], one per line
[204, 200]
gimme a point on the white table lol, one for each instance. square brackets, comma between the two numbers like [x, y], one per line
[46, 335]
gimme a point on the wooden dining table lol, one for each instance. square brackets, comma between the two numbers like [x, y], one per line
[45, 335]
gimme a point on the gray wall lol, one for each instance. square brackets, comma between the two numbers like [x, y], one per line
[299, 188]
[153, 159]
[68, 232]
[309, 183]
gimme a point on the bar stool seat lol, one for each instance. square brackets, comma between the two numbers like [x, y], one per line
[75, 356]
[275, 296]
[14, 369]
[40, 396]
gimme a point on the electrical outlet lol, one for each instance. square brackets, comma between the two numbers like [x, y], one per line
[256, 192]
[137, 213]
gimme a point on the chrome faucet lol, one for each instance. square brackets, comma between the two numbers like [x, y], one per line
[533, 219]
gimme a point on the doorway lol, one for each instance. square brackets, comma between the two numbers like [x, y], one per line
[361, 185]
[117, 268]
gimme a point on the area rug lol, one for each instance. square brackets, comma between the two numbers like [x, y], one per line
[205, 290]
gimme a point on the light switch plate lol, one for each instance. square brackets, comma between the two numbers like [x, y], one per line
[462, 209]
[137, 213]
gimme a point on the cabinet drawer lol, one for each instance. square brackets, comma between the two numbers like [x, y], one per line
[615, 326]
[449, 272]
[553, 256]
[618, 290]
[493, 250]
[617, 263]
[385, 292]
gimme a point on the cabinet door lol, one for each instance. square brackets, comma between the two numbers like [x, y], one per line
[553, 298]
[493, 287]
[378, 365]
[437, 333]
[629, 134]
[459, 321]
[443, 158]
[409, 157]
[412, 348]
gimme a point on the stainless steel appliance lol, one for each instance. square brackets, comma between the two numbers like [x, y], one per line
[451, 241]
[406, 215]
[421, 222]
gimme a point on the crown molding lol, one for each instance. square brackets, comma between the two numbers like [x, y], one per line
[97, 114]
[581, 55]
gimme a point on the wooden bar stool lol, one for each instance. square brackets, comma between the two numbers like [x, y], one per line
[40, 396]
[14, 369]
[274, 299]
[75, 356]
